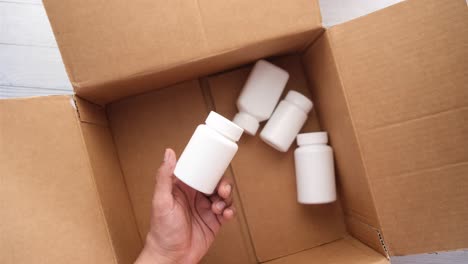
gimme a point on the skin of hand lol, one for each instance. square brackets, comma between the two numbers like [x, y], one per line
[184, 222]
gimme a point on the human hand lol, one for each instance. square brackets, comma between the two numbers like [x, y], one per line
[184, 222]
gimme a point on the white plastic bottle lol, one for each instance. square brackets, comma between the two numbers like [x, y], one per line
[260, 95]
[315, 172]
[287, 120]
[208, 153]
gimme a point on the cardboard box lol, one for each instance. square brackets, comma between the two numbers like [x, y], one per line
[77, 173]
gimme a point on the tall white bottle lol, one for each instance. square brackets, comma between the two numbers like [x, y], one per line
[287, 120]
[208, 153]
[315, 172]
[260, 95]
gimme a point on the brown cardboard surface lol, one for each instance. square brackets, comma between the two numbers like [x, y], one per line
[117, 89]
[103, 43]
[90, 113]
[332, 110]
[225, 21]
[421, 185]
[265, 177]
[347, 250]
[143, 126]
[404, 71]
[49, 208]
[112, 192]
[366, 233]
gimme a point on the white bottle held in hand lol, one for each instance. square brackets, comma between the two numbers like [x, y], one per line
[208, 153]
[260, 95]
[286, 121]
[315, 172]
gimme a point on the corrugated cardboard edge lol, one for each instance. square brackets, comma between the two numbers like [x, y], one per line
[89, 114]
[358, 143]
[89, 167]
[357, 224]
[367, 234]
[91, 172]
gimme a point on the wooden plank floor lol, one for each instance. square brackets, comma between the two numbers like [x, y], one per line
[30, 62]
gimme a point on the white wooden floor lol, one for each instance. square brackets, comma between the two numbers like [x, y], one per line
[30, 63]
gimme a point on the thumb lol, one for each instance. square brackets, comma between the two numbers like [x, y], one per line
[164, 177]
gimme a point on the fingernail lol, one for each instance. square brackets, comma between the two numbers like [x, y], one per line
[220, 205]
[228, 188]
[166, 155]
[229, 212]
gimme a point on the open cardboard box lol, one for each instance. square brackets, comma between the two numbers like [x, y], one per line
[77, 173]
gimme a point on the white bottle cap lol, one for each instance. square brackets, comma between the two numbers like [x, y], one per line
[299, 100]
[312, 138]
[224, 126]
[249, 123]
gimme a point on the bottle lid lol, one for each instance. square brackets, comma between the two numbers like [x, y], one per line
[312, 138]
[249, 123]
[224, 126]
[299, 100]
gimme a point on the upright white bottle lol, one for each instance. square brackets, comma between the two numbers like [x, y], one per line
[208, 153]
[287, 120]
[260, 95]
[315, 172]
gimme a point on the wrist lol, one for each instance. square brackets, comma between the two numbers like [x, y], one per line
[151, 256]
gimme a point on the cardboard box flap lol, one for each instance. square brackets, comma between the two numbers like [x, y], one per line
[404, 71]
[347, 250]
[110, 182]
[332, 110]
[50, 209]
[109, 41]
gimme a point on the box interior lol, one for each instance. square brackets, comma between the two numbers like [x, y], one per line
[264, 177]
[271, 224]
[348, 70]
[390, 88]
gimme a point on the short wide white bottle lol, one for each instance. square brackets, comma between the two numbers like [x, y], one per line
[208, 153]
[259, 96]
[287, 120]
[315, 173]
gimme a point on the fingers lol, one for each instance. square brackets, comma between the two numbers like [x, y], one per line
[164, 177]
[228, 214]
[222, 198]
[218, 206]
[222, 201]
[225, 191]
